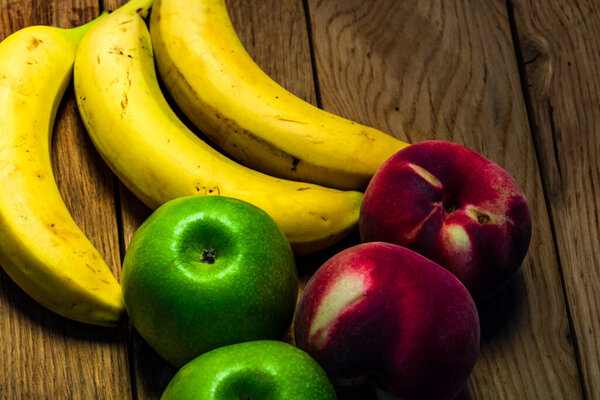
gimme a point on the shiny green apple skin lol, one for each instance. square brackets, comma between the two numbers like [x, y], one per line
[205, 272]
[259, 370]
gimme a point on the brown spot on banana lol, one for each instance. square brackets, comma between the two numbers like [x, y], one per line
[124, 101]
[35, 42]
[295, 162]
[367, 135]
[208, 190]
[291, 120]
[116, 50]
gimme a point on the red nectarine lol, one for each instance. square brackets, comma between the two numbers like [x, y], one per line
[383, 316]
[453, 206]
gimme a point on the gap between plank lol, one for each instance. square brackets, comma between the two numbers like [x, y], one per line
[532, 126]
[121, 233]
[313, 59]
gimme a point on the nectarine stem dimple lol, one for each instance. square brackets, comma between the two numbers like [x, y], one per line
[483, 219]
[450, 206]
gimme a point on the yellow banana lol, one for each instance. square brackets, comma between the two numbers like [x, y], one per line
[41, 247]
[224, 93]
[158, 158]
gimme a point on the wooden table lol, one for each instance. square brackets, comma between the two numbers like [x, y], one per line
[516, 80]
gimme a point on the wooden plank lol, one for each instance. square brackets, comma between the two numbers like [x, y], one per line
[151, 372]
[447, 70]
[560, 45]
[45, 356]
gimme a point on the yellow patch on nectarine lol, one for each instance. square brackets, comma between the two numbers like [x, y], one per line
[423, 173]
[343, 294]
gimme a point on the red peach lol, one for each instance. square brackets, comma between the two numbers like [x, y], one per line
[383, 316]
[453, 206]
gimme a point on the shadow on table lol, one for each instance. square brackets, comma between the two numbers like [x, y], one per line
[152, 374]
[498, 317]
[500, 313]
[308, 264]
[32, 316]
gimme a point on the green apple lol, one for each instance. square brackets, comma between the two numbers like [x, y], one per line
[260, 370]
[205, 272]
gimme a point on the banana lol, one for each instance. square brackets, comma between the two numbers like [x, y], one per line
[41, 247]
[230, 99]
[158, 158]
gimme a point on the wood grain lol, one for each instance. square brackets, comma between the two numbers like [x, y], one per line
[418, 70]
[447, 70]
[45, 356]
[560, 44]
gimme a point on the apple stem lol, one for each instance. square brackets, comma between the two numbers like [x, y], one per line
[208, 256]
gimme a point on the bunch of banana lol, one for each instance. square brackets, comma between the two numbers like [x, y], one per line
[158, 158]
[221, 89]
[41, 247]
[224, 93]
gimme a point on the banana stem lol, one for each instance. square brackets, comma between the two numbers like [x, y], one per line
[78, 32]
[141, 7]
